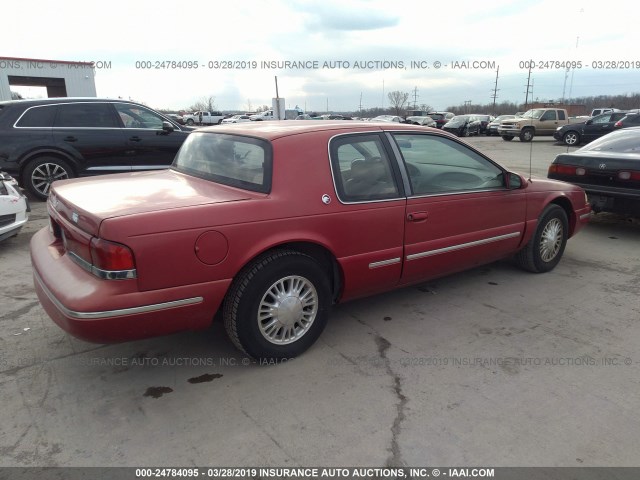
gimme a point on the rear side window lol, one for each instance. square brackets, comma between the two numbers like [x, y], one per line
[361, 169]
[88, 115]
[234, 160]
[38, 117]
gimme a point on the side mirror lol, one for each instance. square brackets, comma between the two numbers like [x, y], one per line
[588, 122]
[167, 127]
[515, 181]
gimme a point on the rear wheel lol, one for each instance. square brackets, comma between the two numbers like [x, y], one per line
[190, 122]
[278, 305]
[41, 172]
[544, 250]
[507, 138]
[571, 138]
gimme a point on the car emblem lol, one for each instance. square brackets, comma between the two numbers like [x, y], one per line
[74, 217]
[602, 166]
[326, 199]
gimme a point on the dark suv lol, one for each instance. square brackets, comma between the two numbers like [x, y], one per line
[52, 139]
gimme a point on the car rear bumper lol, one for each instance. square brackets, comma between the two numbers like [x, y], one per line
[106, 311]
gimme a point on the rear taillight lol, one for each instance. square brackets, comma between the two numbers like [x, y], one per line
[565, 169]
[629, 175]
[110, 256]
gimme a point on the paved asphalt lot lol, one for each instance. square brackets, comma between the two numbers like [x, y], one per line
[492, 367]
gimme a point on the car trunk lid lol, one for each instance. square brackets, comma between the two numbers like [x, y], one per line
[133, 193]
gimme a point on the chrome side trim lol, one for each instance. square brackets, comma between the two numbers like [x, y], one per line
[104, 274]
[384, 263]
[452, 248]
[126, 168]
[585, 215]
[114, 313]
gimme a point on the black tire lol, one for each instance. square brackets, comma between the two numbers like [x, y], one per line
[253, 286]
[544, 250]
[526, 135]
[190, 122]
[571, 138]
[507, 138]
[41, 172]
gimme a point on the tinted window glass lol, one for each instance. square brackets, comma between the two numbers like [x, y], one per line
[96, 115]
[38, 117]
[361, 169]
[438, 165]
[561, 115]
[133, 116]
[242, 162]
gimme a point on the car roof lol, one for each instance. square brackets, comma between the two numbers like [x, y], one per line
[277, 129]
[52, 101]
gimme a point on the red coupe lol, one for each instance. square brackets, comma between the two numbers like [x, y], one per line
[273, 222]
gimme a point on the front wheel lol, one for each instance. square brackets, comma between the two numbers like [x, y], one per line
[544, 250]
[190, 122]
[278, 306]
[526, 135]
[41, 172]
[507, 138]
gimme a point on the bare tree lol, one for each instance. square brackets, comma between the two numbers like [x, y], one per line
[426, 107]
[398, 100]
[249, 106]
[205, 104]
[16, 96]
[263, 108]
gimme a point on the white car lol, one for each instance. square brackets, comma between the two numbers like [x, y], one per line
[13, 207]
[387, 118]
[237, 119]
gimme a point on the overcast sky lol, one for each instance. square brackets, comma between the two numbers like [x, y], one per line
[494, 33]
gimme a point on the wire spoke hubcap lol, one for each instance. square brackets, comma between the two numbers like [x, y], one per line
[551, 240]
[44, 175]
[287, 310]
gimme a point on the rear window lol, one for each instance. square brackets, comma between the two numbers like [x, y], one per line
[234, 160]
[622, 141]
[87, 115]
[37, 117]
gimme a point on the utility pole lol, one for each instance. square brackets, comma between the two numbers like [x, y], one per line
[277, 112]
[529, 87]
[495, 93]
[467, 103]
[360, 104]
[415, 98]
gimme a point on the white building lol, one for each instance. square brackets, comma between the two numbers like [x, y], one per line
[61, 78]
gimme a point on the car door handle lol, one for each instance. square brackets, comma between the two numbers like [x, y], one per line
[418, 216]
[135, 138]
[70, 139]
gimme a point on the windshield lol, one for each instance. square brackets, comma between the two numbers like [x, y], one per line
[234, 160]
[537, 113]
[458, 120]
[622, 141]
